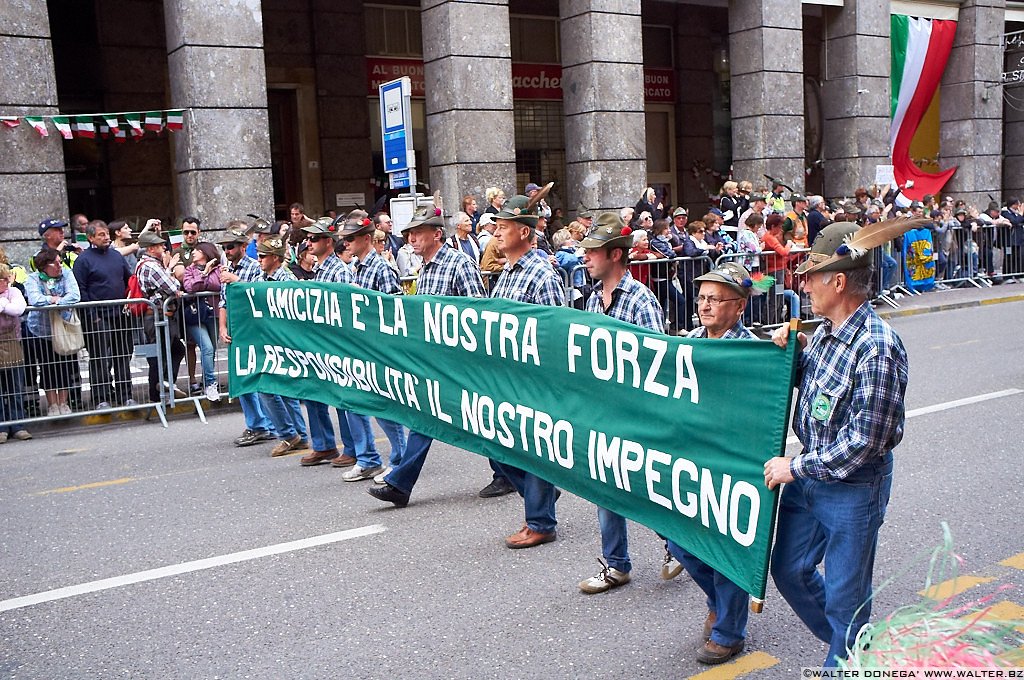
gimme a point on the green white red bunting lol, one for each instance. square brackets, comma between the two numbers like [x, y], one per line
[108, 125]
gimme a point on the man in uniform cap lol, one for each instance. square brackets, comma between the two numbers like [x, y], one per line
[620, 296]
[797, 217]
[52, 231]
[445, 271]
[284, 412]
[852, 377]
[721, 300]
[372, 272]
[585, 216]
[527, 276]
[261, 230]
[241, 267]
[677, 230]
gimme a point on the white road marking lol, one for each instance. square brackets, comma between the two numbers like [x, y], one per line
[186, 567]
[946, 405]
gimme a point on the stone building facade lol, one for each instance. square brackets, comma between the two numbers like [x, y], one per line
[604, 97]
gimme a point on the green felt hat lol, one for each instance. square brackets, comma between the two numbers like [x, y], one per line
[823, 256]
[273, 246]
[609, 232]
[732, 274]
[518, 209]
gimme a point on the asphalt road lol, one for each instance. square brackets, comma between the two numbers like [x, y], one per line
[430, 590]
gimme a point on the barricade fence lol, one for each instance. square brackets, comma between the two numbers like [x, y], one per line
[192, 337]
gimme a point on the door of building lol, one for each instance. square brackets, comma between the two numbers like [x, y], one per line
[661, 152]
[282, 110]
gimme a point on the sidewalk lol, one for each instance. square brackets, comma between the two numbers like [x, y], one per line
[957, 298]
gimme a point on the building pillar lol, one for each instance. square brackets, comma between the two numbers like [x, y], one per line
[217, 72]
[603, 100]
[971, 110]
[32, 183]
[855, 94]
[468, 79]
[767, 90]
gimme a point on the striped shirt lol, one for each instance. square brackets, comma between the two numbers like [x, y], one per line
[850, 410]
[282, 273]
[332, 270]
[374, 273]
[737, 332]
[450, 272]
[530, 279]
[247, 270]
[632, 302]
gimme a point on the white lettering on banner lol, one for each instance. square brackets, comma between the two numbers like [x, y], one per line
[541, 81]
[614, 356]
[717, 504]
[539, 433]
[314, 305]
[504, 335]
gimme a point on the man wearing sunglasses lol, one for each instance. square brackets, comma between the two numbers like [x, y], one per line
[189, 239]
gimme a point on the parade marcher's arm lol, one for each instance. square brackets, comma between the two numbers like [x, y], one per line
[874, 424]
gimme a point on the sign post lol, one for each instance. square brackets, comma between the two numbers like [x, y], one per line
[396, 132]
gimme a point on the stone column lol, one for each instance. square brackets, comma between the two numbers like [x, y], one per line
[767, 90]
[468, 76]
[216, 68]
[603, 100]
[855, 95]
[32, 183]
[971, 133]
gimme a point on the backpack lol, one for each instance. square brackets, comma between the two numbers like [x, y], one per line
[134, 292]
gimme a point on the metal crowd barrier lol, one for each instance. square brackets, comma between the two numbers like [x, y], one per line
[781, 302]
[107, 374]
[183, 346]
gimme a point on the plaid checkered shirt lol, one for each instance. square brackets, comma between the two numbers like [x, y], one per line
[632, 302]
[332, 270]
[737, 332]
[531, 279]
[851, 404]
[247, 270]
[450, 272]
[155, 281]
[373, 273]
[282, 273]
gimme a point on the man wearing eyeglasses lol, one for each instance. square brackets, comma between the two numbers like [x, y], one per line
[241, 267]
[721, 298]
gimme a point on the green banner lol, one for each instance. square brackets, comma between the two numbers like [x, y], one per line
[669, 432]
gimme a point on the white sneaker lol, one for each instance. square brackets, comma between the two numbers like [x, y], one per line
[671, 567]
[379, 479]
[358, 473]
[211, 392]
[53, 410]
[606, 579]
[65, 410]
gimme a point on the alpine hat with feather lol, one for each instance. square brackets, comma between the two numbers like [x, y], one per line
[843, 246]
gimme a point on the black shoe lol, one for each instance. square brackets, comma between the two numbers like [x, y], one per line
[264, 436]
[389, 494]
[248, 438]
[499, 486]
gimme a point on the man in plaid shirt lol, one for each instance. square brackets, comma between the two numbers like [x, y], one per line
[158, 284]
[329, 268]
[241, 267]
[849, 417]
[445, 271]
[617, 294]
[528, 276]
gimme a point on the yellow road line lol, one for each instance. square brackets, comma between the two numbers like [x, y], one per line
[954, 586]
[1007, 611]
[1017, 561]
[755, 661]
[90, 485]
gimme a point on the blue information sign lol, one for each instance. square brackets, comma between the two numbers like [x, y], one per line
[400, 179]
[396, 125]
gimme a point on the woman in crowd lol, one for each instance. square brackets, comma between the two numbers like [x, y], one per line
[203, 276]
[464, 239]
[12, 358]
[776, 262]
[305, 260]
[731, 206]
[51, 285]
[495, 199]
[122, 235]
[380, 244]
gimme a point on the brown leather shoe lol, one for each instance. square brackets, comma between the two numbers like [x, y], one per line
[285, 446]
[343, 461]
[709, 623]
[712, 653]
[527, 538]
[318, 457]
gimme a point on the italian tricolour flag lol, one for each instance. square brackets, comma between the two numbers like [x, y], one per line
[920, 50]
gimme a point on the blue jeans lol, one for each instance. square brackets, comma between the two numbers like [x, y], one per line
[12, 404]
[888, 271]
[405, 473]
[255, 419]
[837, 522]
[362, 437]
[286, 415]
[614, 541]
[203, 335]
[396, 436]
[727, 600]
[538, 496]
[321, 431]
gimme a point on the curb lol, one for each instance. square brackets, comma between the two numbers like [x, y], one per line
[181, 411]
[898, 313]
